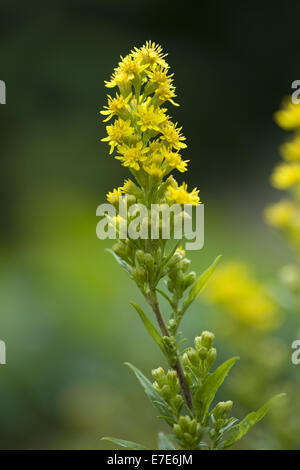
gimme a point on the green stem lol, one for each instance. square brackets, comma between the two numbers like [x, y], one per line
[178, 367]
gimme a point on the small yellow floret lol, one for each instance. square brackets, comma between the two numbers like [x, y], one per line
[172, 136]
[132, 156]
[114, 196]
[150, 54]
[174, 160]
[116, 106]
[117, 132]
[180, 195]
[149, 117]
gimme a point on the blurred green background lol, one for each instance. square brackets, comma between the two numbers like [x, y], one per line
[65, 313]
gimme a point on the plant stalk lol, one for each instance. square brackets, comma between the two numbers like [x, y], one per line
[178, 367]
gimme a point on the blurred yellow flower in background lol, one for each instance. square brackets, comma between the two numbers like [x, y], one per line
[282, 214]
[234, 288]
[289, 116]
[286, 175]
[290, 150]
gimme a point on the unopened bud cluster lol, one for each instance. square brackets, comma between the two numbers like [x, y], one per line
[199, 360]
[188, 432]
[167, 385]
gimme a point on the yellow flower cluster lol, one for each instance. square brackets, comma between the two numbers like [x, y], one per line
[145, 138]
[234, 288]
[287, 175]
[285, 214]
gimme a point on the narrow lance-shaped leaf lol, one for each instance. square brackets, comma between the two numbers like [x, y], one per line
[128, 444]
[120, 260]
[150, 327]
[164, 442]
[251, 419]
[205, 395]
[165, 296]
[157, 401]
[199, 285]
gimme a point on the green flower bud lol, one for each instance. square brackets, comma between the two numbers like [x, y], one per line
[166, 392]
[158, 374]
[211, 357]
[175, 259]
[172, 380]
[172, 324]
[203, 353]
[140, 256]
[189, 279]
[222, 409]
[178, 402]
[139, 275]
[184, 264]
[177, 431]
[207, 339]
[149, 261]
[189, 378]
[193, 357]
[184, 423]
[198, 342]
[120, 249]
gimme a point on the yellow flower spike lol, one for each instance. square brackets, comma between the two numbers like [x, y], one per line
[286, 175]
[289, 117]
[146, 138]
[117, 133]
[291, 150]
[132, 156]
[180, 195]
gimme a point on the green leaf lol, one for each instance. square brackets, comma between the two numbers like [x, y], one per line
[120, 260]
[165, 296]
[128, 444]
[157, 401]
[205, 395]
[150, 327]
[199, 285]
[164, 442]
[243, 427]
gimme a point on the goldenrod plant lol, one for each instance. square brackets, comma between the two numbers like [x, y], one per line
[248, 317]
[143, 137]
[284, 215]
